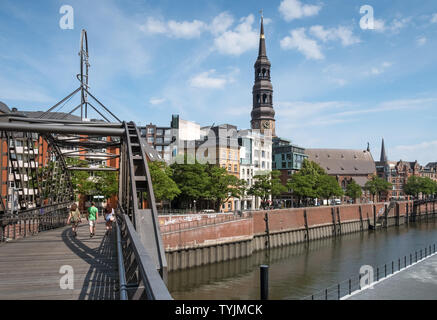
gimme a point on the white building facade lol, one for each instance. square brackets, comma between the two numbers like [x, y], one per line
[255, 159]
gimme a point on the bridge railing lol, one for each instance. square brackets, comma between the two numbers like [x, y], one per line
[355, 283]
[138, 275]
[32, 221]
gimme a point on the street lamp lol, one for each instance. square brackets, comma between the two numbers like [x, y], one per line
[195, 206]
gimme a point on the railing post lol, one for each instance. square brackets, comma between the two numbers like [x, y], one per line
[264, 277]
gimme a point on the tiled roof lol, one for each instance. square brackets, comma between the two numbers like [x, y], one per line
[343, 161]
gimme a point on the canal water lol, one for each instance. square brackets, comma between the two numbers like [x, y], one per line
[298, 271]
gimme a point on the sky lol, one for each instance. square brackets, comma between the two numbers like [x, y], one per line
[339, 81]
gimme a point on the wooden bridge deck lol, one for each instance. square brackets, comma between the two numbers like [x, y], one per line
[30, 267]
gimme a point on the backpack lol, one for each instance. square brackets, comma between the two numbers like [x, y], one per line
[75, 215]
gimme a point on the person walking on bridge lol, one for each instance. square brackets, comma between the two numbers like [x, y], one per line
[93, 214]
[74, 218]
[109, 217]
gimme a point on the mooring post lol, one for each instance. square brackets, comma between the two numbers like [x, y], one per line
[333, 222]
[267, 242]
[264, 277]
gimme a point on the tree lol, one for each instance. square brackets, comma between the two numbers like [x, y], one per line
[164, 187]
[327, 187]
[303, 186]
[353, 190]
[106, 183]
[267, 185]
[82, 184]
[192, 180]
[419, 185]
[376, 186]
[305, 183]
[102, 183]
[222, 186]
[428, 186]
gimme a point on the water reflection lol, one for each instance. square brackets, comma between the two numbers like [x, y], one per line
[300, 270]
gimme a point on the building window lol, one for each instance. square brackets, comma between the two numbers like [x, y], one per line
[284, 165]
[235, 168]
[263, 154]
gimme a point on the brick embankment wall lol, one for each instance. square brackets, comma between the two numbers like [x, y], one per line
[201, 242]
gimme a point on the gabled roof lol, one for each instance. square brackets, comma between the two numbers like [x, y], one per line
[343, 161]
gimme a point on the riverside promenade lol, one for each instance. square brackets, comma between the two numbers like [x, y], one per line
[416, 282]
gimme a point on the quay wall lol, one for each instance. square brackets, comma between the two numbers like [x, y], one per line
[209, 239]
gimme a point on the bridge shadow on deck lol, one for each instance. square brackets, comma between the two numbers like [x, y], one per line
[101, 280]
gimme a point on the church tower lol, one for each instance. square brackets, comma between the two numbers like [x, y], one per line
[263, 114]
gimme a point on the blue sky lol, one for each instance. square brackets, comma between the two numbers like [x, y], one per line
[335, 84]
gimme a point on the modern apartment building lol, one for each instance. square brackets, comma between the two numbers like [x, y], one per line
[255, 159]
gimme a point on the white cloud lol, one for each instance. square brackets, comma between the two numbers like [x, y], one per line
[434, 18]
[344, 34]
[299, 41]
[221, 23]
[156, 101]
[294, 9]
[423, 152]
[154, 26]
[394, 105]
[184, 29]
[208, 80]
[379, 25]
[237, 41]
[421, 41]
[376, 70]
[394, 27]
[299, 114]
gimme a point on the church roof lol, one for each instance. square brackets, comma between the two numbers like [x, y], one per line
[343, 161]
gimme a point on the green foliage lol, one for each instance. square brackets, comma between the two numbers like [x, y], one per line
[420, 185]
[192, 180]
[198, 181]
[164, 187]
[377, 185]
[327, 187]
[266, 185]
[303, 186]
[353, 190]
[102, 183]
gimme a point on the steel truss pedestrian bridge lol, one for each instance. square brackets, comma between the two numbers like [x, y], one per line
[39, 258]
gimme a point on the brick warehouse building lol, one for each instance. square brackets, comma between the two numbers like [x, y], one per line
[397, 173]
[346, 165]
[37, 154]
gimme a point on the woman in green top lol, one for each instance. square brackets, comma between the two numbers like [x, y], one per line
[93, 214]
[74, 218]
